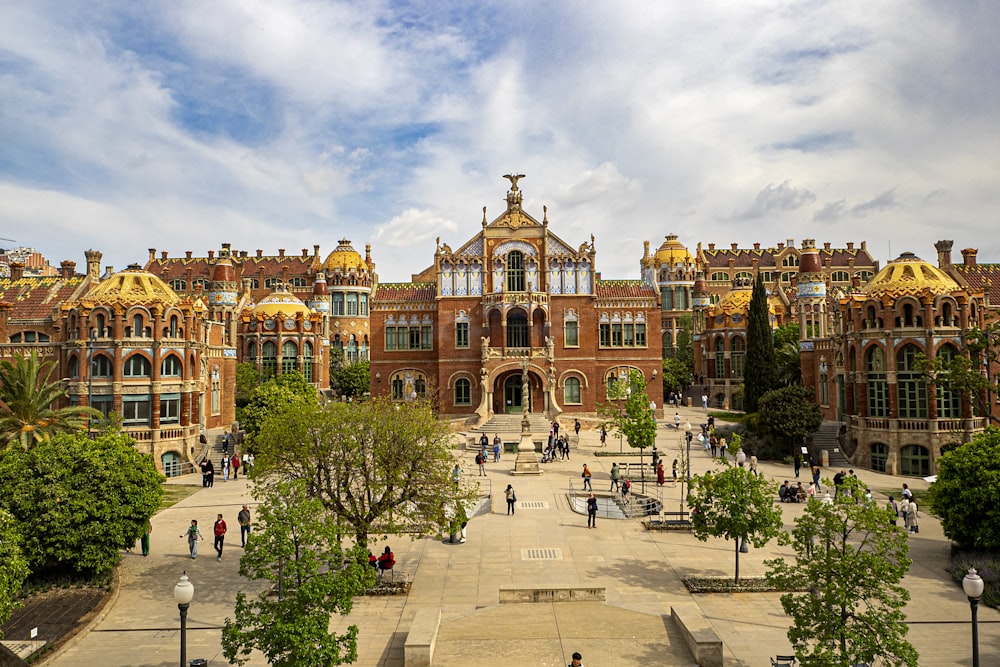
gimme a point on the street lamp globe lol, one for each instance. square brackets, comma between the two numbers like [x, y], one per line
[687, 427]
[184, 590]
[972, 584]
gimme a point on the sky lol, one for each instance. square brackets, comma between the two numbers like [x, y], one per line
[270, 124]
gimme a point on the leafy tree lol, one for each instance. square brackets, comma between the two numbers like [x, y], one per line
[636, 422]
[850, 557]
[734, 504]
[788, 414]
[788, 364]
[676, 375]
[759, 373]
[79, 502]
[968, 477]
[247, 379]
[377, 464]
[274, 396]
[787, 333]
[26, 398]
[298, 549]
[353, 379]
[685, 341]
[13, 566]
[965, 373]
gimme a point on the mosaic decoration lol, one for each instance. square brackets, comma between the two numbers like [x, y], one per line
[554, 246]
[474, 249]
[476, 280]
[506, 247]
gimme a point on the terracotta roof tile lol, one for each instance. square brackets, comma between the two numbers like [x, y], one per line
[35, 298]
[624, 289]
[405, 292]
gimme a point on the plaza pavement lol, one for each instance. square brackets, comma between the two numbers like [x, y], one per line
[640, 570]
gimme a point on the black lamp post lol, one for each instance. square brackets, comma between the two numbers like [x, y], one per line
[688, 436]
[183, 594]
[972, 584]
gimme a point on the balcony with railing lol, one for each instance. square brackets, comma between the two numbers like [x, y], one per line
[514, 298]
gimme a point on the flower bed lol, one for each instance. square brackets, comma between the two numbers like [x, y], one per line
[727, 585]
[400, 587]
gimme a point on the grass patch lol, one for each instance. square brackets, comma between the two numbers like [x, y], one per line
[43, 583]
[734, 417]
[920, 495]
[174, 493]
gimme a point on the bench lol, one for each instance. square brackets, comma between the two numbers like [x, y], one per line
[671, 521]
[418, 651]
[637, 471]
[703, 642]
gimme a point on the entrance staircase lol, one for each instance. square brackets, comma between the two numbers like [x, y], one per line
[509, 426]
[825, 439]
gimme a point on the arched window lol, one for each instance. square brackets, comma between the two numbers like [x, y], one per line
[878, 389]
[911, 387]
[840, 277]
[790, 260]
[571, 392]
[352, 350]
[915, 460]
[174, 326]
[136, 331]
[517, 329]
[269, 358]
[251, 351]
[289, 356]
[307, 361]
[101, 326]
[879, 456]
[463, 392]
[949, 402]
[102, 367]
[171, 367]
[137, 366]
[74, 367]
[720, 358]
[397, 388]
[515, 271]
[738, 356]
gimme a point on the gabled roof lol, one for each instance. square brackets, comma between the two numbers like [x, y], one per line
[976, 276]
[413, 292]
[35, 298]
[624, 289]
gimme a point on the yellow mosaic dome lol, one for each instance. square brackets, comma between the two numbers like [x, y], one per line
[344, 258]
[281, 301]
[909, 275]
[737, 300]
[133, 286]
[672, 252]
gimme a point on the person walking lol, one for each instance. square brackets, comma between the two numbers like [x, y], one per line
[893, 509]
[660, 474]
[244, 520]
[144, 540]
[904, 511]
[753, 464]
[235, 463]
[484, 444]
[224, 465]
[219, 529]
[798, 464]
[615, 476]
[586, 478]
[673, 471]
[815, 474]
[677, 421]
[576, 660]
[194, 536]
[456, 474]
[496, 448]
[210, 474]
[604, 435]
[204, 472]
[481, 462]
[511, 499]
[913, 514]
[591, 511]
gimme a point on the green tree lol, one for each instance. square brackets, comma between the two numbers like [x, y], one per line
[759, 373]
[685, 341]
[788, 364]
[850, 558]
[676, 375]
[788, 414]
[247, 379]
[13, 566]
[26, 399]
[636, 422]
[352, 379]
[967, 480]
[79, 502]
[965, 373]
[734, 504]
[273, 397]
[376, 465]
[298, 549]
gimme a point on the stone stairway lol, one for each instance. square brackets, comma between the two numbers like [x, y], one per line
[825, 439]
[509, 426]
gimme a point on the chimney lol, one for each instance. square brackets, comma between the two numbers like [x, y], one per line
[781, 246]
[734, 246]
[711, 246]
[163, 255]
[211, 254]
[826, 246]
[756, 246]
[152, 254]
[864, 246]
[944, 253]
[187, 254]
[315, 250]
[67, 269]
[305, 253]
[790, 243]
[243, 253]
[93, 263]
[850, 245]
[968, 257]
[281, 252]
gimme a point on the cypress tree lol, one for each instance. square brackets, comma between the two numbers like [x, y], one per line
[759, 375]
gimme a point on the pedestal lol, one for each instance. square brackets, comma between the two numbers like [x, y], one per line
[527, 460]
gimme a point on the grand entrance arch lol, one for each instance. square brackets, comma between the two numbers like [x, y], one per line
[513, 393]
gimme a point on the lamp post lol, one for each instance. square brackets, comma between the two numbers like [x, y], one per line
[183, 593]
[972, 584]
[688, 437]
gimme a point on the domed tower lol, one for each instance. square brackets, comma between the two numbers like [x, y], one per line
[223, 293]
[672, 269]
[811, 293]
[349, 279]
[701, 302]
[282, 334]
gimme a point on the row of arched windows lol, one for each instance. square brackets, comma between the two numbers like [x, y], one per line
[136, 365]
[911, 385]
[914, 460]
[572, 391]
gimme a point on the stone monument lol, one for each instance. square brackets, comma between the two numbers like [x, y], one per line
[527, 461]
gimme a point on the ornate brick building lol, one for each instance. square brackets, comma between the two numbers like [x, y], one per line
[514, 299]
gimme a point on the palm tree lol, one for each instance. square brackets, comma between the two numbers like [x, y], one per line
[789, 367]
[26, 398]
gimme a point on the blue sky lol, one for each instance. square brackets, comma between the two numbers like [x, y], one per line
[283, 124]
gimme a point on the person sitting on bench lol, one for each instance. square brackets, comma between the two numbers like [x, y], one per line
[783, 492]
[386, 561]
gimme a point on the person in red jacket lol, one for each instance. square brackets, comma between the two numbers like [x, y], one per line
[220, 535]
[386, 560]
[235, 463]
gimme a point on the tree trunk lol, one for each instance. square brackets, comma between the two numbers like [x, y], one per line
[737, 542]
